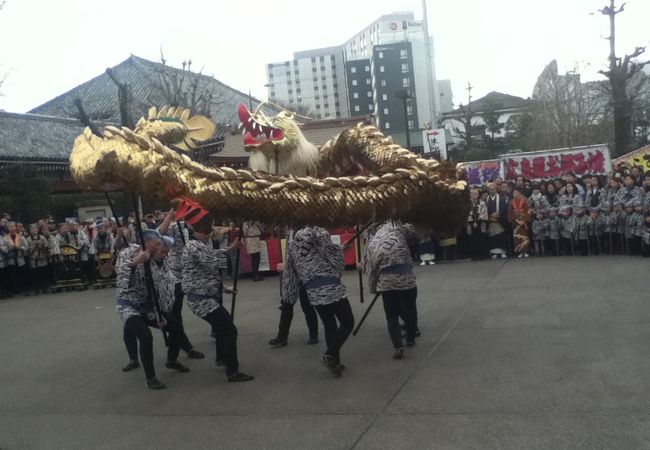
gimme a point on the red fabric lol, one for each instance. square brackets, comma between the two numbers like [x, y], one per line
[349, 254]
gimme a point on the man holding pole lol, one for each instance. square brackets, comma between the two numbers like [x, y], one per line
[138, 309]
[389, 267]
[202, 284]
[315, 264]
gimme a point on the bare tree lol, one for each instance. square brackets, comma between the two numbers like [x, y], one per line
[182, 87]
[620, 74]
[565, 110]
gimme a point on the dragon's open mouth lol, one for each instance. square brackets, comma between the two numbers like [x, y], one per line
[256, 133]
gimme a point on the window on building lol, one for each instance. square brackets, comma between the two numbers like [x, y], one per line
[316, 97]
[315, 80]
[322, 58]
[353, 69]
[322, 68]
[323, 78]
[369, 107]
[313, 60]
[355, 95]
[291, 101]
[336, 85]
[297, 72]
[326, 105]
[403, 54]
[298, 91]
[384, 97]
[387, 125]
[383, 83]
[405, 68]
[356, 108]
[380, 55]
[325, 97]
[369, 93]
[272, 93]
[313, 69]
[410, 122]
[288, 74]
[354, 82]
[386, 111]
[317, 106]
[338, 113]
[324, 87]
[336, 94]
[315, 88]
[409, 110]
[406, 82]
[367, 68]
[382, 68]
[368, 81]
[290, 91]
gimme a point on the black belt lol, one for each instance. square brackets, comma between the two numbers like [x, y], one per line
[322, 280]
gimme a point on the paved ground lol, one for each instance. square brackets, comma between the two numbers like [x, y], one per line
[524, 354]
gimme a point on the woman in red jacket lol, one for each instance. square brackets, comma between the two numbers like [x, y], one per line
[519, 216]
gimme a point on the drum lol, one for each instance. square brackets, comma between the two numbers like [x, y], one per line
[105, 264]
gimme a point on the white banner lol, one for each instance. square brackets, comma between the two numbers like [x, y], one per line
[434, 141]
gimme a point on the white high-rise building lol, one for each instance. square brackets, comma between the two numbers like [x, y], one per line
[384, 70]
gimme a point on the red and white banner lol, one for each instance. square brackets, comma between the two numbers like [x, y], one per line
[557, 163]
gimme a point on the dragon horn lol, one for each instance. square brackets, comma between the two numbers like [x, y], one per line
[190, 210]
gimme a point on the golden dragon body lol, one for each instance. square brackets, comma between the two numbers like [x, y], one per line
[357, 177]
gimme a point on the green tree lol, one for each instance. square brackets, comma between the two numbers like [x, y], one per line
[24, 192]
[493, 125]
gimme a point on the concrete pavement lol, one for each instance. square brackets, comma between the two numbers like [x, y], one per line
[537, 353]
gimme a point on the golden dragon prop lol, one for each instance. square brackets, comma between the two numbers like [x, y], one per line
[357, 177]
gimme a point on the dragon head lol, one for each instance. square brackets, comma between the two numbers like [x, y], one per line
[276, 143]
[174, 126]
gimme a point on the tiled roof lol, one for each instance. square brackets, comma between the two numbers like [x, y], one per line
[501, 100]
[317, 132]
[100, 98]
[35, 137]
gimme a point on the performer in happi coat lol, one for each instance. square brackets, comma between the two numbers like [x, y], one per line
[582, 230]
[203, 286]
[539, 231]
[389, 267]
[596, 231]
[497, 208]
[39, 255]
[567, 229]
[13, 248]
[477, 226]
[552, 227]
[179, 234]
[286, 315]
[316, 264]
[139, 311]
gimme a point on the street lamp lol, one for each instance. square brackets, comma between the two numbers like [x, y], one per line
[406, 94]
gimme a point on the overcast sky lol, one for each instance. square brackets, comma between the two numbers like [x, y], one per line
[50, 46]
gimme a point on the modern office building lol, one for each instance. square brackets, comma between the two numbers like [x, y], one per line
[386, 69]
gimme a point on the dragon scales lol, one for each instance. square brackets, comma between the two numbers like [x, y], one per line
[357, 177]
